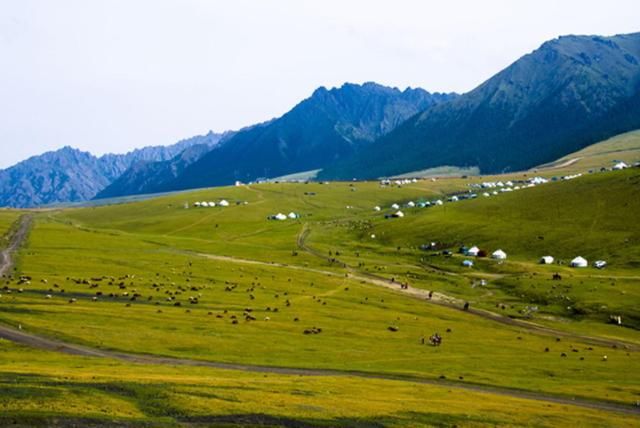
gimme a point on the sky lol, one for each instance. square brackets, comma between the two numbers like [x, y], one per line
[114, 75]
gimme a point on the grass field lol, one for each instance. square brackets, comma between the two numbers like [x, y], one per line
[621, 148]
[226, 284]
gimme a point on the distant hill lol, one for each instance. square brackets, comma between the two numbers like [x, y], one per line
[329, 126]
[571, 92]
[71, 175]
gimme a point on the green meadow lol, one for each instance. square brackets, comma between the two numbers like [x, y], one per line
[163, 278]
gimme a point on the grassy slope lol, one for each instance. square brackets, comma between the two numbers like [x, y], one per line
[148, 240]
[624, 147]
[591, 216]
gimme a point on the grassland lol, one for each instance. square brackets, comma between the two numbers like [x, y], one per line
[228, 285]
[621, 148]
[47, 388]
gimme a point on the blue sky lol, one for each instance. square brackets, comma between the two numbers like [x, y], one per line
[113, 75]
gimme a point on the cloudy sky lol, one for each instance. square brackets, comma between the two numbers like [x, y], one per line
[112, 75]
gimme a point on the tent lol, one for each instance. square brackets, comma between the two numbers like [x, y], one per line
[398, 214]
[293, 215]
[280, 216]
[395, 207]
[467, 263]
[376, 208]
[223, 203]
[473, 251]
[438, 202]
[546, 260]
[579, 262]
[499, 255]
[212, 204]
[411, 204]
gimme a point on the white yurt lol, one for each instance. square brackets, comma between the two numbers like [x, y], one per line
[223, 203]
[377, 208]
[499, 255]
[399, 214]
[280, 216]
[395, 206]
[579, 262]
[438, 202]
[620, 165]
[546, 260]
[411, 204]
[473, 251]
[292, 215]
[212, 204]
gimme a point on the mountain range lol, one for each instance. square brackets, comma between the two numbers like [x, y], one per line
[71, 175]
[571, 92]
[329, 126]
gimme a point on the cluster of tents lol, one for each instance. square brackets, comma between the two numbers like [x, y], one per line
[581, 262]
[282, 217]
[204, 204]
[477, 252]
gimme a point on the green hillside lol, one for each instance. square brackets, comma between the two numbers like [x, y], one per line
[623, 147]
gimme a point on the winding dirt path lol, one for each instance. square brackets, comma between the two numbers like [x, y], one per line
[16, 239]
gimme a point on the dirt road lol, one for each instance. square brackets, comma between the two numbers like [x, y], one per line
[17, 238]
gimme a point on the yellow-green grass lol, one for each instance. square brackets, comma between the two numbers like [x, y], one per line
[7, 220]
[44, 388]
[592, 216]
[354, 317]
[160, 242]
[621, 148]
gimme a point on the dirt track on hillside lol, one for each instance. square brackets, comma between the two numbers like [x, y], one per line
[16, 239]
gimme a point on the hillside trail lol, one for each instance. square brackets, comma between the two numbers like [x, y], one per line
[50, 344]
[17, 237]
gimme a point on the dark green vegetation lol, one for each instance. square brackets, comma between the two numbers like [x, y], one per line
[154, 279]
[568, 94]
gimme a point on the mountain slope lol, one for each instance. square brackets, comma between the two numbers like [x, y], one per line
[71, 175]
[150, 177]
[571, 92]
[328, 126]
